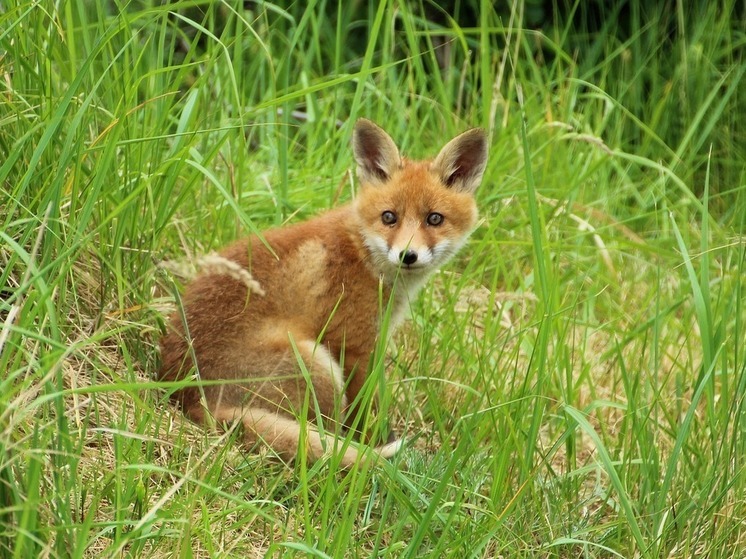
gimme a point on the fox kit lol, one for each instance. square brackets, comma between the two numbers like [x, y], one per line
[299, 312]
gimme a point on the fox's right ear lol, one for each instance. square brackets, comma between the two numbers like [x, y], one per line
[375, 152]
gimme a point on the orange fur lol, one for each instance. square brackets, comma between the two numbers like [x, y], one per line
[252, 313]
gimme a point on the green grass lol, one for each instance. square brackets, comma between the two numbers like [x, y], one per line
[572, 385]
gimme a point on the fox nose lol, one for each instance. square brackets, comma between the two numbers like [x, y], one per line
[408, 257]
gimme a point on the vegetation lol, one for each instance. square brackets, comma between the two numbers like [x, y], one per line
[573, 385]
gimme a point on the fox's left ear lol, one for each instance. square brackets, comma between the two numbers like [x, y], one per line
[461, 162]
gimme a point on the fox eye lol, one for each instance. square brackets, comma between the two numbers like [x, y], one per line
[388, 217]
[434, 219]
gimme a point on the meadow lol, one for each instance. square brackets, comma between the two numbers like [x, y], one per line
[571, 385]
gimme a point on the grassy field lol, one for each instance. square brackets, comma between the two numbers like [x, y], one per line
[572, 385]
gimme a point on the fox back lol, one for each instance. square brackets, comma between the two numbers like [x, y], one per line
[299, 311]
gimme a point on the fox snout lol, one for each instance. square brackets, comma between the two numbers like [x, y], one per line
[408, 257]
[409, 249]
[409, 244]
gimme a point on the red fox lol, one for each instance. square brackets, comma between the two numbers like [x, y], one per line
[299, 311]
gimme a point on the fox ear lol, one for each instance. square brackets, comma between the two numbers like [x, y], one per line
[461, 162]
[375, 152]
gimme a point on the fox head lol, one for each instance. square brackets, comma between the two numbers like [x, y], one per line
[415, 215]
